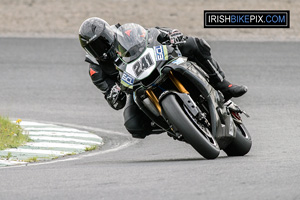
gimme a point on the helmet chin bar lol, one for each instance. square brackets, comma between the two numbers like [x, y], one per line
[110, 54]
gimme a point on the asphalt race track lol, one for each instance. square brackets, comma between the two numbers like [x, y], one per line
[46, 80]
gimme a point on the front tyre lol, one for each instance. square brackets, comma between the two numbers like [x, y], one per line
[200, 138]
[241, 145]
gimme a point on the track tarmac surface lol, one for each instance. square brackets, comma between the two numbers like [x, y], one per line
[46, 80]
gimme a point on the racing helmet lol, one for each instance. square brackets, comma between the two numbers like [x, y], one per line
[97, 38]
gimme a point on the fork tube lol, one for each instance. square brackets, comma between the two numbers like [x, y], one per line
[154, 99]
[177, 83]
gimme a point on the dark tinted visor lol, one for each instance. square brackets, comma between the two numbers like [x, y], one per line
[97, 47]
[102, 44]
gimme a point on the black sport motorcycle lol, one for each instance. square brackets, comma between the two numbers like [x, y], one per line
[176, 96]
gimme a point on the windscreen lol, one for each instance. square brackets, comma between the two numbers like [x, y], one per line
[131, 41]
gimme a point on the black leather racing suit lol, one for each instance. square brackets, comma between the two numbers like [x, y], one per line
[104, 75]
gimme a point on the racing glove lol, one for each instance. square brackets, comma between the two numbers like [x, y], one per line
[175, 36]
[115, 97]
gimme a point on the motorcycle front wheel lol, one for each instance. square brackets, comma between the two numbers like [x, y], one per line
[198, 137]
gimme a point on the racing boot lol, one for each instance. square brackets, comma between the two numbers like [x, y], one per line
[230, 90]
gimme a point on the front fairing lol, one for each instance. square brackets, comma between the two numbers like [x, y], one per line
[137, 70]
[134, 72]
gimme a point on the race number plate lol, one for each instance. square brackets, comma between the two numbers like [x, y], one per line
[144, 63]
[140, 68]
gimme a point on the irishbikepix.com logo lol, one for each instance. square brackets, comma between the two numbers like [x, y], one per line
[247, 19]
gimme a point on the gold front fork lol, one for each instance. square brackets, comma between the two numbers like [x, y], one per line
[153, 99]
[175, 81]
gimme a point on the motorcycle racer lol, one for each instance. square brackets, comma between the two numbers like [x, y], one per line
[97, 38]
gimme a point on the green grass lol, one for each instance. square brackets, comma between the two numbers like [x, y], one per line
[91, 148]
[71, 154]
[11, 134]
[32, 159]
[9, 155]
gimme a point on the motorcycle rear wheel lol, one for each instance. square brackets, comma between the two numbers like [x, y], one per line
[241, 145]
[200, 140]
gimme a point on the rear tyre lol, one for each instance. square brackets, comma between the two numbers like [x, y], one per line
[199, 137]
[241, 145]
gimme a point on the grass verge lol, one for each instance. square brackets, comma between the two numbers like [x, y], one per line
[11, 134]
[91, 148]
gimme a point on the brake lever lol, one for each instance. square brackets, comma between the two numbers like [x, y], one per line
[230, 106]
